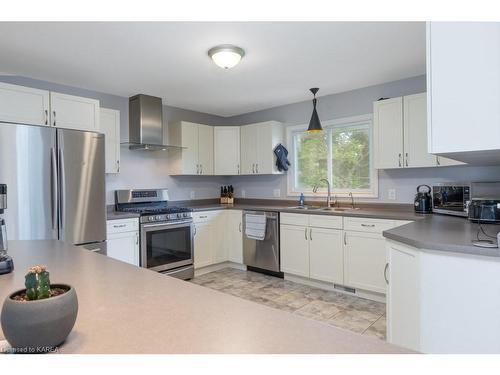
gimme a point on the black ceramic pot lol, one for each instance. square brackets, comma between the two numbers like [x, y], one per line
[40, 325]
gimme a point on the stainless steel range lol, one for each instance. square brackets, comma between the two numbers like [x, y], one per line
[166, 232]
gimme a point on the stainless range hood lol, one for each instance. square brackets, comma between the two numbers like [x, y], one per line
[146, 124]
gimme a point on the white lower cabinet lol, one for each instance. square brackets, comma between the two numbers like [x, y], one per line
[203, 244]
[325, 255]
[217, 238]
[364, 261]
[233, 236]
[123, 240]
[403, 296]
[312, 251]
[294, 250]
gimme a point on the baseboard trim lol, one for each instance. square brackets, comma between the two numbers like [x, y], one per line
[217, 267]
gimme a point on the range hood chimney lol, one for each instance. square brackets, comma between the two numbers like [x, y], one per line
[146, 123]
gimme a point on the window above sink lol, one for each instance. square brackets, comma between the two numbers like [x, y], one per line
[342, 154]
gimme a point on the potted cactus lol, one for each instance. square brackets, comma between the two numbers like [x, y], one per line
[40, 317]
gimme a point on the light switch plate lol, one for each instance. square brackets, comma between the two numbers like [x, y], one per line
[192, 194]
[391, 194]
[277, 193]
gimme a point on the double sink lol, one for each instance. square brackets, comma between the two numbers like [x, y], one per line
[331, 209]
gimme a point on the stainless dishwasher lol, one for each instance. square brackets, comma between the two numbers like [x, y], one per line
[263, 255]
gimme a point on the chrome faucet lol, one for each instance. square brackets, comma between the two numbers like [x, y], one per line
[329, 197]
[352, 200]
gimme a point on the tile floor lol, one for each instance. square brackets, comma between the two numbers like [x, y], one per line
[353, 313]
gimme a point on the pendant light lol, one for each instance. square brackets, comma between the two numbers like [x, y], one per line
[314, 123]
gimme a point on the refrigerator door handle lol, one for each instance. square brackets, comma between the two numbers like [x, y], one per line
[53, 171]
[62, 193]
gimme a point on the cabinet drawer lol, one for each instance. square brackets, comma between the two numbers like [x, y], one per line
[294, 219]
[324, 221]
[367, 225]
[123, 225]
[202, 216]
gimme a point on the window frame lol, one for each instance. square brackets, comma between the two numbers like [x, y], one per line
[322, 192]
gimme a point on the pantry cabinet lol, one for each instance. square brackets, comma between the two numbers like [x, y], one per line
[123, 240]
[197, 155]
[257, 147]
[400, 134]
[463, 83]
[24, 105]
[226, 150]
[110, 127]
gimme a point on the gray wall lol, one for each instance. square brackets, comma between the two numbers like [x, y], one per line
[141, 169]
[352, 103]
[150, 169]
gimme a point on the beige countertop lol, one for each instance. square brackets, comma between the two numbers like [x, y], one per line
[125, 309]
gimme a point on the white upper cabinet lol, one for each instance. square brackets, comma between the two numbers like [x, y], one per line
[415, 132]
[227, 150]
[74, 112]
[257, 145]
[463, 83]
[205, 149]
[197, 157]
[24, 105]
[388, 131]
[110, 126]
[400, 128]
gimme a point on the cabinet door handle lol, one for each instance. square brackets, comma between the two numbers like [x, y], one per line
[46, 117]
[238, 166]
[406, 157]
[201, 168]
[385, 273]
[54, 114]
[119, 226]
[197, 169]
[399, 159]
[239, 227]
[257, 168]
[203, 216]
[368, 225]
[118, 165]
[253, 168]
[345, 238]
[311, 234]
[194, 234]
[437, 160]
[137, 239]
[305, 233]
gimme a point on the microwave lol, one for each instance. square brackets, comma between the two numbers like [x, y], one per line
[451, 199]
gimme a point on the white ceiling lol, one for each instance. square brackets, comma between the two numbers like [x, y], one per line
[169, 59]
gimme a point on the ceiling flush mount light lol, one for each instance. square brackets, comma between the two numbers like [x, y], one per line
[314, 123]
[226, 55]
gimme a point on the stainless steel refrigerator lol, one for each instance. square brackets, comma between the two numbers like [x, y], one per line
[55, 179]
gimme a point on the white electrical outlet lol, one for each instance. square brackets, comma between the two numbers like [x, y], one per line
[243, 193]
[277, 193]
[391, 194]
[192, 195]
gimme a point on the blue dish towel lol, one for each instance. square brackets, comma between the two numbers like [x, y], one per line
[281, 157]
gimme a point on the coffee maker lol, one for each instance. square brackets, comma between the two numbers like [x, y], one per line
[6, 263]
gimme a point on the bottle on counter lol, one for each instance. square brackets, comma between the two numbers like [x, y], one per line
[301, 200]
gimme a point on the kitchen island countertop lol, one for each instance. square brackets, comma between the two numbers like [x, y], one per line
[126, 309]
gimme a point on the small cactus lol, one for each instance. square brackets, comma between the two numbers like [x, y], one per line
[37, 283]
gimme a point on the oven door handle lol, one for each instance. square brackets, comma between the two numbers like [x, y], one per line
[170, 225]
